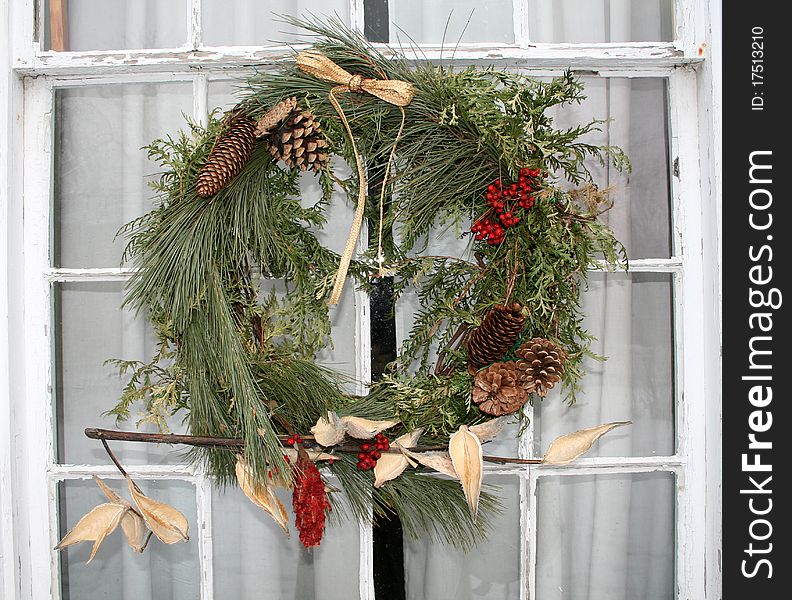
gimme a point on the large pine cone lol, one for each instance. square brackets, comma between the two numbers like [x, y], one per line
[299, 142]
[497, 389]
[233, 149]
[541, 364]
[497, 333]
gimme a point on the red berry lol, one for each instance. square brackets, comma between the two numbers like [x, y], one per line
[497, 183]
[361, 465]
[362, 455]
[525, 172]
[376, 455]
[516, 220]
[286, 458]
[290, 441]
[365, 447]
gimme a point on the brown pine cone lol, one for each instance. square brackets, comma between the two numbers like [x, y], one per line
[233, 149]
[541, 364]
[299, 142]
[497, 333]
[275, 116]
[497, 389]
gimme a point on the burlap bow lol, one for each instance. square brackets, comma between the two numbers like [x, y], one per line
[393, 91]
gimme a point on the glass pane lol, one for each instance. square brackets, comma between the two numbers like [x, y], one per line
[605, 537]
[635, 115]
[631, 316]
[162, 572]
[101, 169]
[256, 23]
[90, 328]
[450, 21]
[114, 24]
[491, 570]
[576, 21]
[253, 559]
[224, 94]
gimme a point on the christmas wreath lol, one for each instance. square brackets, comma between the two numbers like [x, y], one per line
[472, 149]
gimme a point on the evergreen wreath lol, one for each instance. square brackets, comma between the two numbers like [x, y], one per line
[471, 149]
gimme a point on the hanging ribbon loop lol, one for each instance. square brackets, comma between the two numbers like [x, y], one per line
[394, 91]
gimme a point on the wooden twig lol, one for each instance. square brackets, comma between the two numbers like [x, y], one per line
[113, 457]
[235, 443]
[456, 341]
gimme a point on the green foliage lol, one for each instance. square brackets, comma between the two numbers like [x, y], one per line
[426, 505]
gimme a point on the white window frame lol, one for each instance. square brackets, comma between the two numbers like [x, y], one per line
[29, 568]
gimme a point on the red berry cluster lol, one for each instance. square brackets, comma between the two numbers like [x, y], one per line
[294, 439]
[504, 200]
[370, 453]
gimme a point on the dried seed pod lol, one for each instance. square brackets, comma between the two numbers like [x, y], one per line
[467, 457]
[490, 429]
[166, 522]
[566, 448]
[365, 429]
[262, 496]
[94, 527]
[329, 430]
[392, 464]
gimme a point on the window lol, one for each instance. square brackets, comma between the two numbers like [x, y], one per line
[96, 80]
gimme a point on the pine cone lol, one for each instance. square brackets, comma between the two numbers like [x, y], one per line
[299, 143]
[233, 149]
[495, 336]
[541, 364]
[497, 389]
[275, 116]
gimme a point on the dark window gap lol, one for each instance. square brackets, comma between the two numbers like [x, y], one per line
[388, 534]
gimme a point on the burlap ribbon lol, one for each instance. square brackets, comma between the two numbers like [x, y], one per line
[393, 91]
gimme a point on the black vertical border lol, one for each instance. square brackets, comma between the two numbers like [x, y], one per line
[755, 131]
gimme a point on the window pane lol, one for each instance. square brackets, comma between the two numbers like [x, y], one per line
[162, 572]
[253, 559]
[489, 571]
[114, 24]
[605, 537]
[90, 328]
[576, 21]
[256, 23]
[634, 112]
[446, 22]
[631, 316]
[101, 171]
